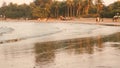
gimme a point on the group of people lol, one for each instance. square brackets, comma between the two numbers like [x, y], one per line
[99, 19]
[65, 18]
[2, 17]
[116, 18]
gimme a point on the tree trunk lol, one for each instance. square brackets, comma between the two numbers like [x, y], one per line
[68, 11]
[71, 11]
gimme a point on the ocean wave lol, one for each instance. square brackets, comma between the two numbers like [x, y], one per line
[4, 30]
[42, 32]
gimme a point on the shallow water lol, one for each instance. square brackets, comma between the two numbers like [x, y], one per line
[102, 51]
[99, 52]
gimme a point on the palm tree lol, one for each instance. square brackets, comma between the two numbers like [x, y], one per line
[68, 7]
[99, 4]
[44, 6]
[63, 9]
[69, 4]
[87, 4]
[78, 4]
[55, 6]
[71, 8]
[3, 9]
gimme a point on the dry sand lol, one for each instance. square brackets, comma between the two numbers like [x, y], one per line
[106, 21]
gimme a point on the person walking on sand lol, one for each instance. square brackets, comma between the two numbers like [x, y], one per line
[97, 19]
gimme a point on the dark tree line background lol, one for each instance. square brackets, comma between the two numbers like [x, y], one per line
[55, 9]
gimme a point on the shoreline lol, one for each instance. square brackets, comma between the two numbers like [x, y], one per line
[54, 20]
[47, 31]
[106, 21]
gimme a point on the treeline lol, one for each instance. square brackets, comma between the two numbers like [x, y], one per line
[16, 11]
[55, 9]
[111, 10]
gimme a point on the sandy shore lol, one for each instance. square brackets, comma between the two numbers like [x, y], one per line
[19, 50]
[41, 32]
[54, 20]
[106, 21]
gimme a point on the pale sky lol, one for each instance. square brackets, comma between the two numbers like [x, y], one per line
[107, 2]
[28, 1]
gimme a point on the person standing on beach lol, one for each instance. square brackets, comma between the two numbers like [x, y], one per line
[101, 17]
[97, 19]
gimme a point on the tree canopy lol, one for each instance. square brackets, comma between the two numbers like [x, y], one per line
[54, 9]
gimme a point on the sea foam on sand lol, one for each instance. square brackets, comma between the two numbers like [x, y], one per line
[42, 32]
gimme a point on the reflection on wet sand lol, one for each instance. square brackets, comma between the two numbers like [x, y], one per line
[47, 52]
[99, 43]
[89, 52]
[16, 56]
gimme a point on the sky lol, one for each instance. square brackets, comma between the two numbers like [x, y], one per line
[107, 2]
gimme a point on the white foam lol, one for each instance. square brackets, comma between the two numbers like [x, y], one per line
[54, 31]
[4, 30]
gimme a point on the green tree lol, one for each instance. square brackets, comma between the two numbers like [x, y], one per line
[78, 5]
[69, 7]
[112, 9]
[86, 6]
[55, 8]
[3, 9]
[99, 5]
[43, 8]
[36, 11]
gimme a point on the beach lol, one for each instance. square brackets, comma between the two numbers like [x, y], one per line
[77, 20]
[59, 44]
[61, 30]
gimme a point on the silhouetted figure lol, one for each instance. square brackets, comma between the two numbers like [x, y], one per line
[97, 19]
[101, 17]
[62, 18]
[115, 18]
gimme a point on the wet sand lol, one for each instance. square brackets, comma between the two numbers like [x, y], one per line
[99, 52]
[74, 46]
[52, 31]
